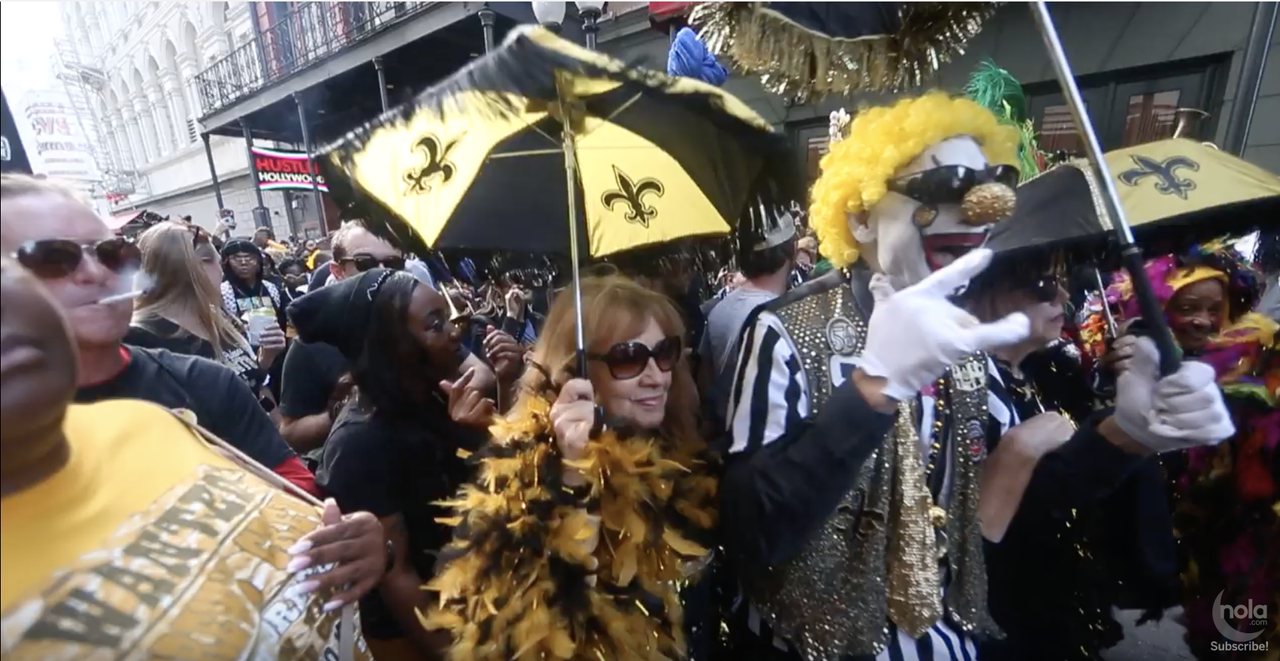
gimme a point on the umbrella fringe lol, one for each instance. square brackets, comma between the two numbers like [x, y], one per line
[796, 62]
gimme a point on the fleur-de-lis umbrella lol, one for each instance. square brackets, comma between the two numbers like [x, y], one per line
[542, 146]
[1174, 192]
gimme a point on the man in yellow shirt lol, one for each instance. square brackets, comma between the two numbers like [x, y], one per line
[122, 530]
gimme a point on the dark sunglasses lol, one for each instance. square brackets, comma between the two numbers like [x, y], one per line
[199, 236]
[629, 359]
[50, 259]
[948, 184]
[1045, 289]
[369, 262]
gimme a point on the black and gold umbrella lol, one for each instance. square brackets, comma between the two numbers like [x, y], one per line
[479, 161]
[543, 146]
[1175, 192]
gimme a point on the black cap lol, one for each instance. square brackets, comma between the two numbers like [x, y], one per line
[339, 313]
[239, 247]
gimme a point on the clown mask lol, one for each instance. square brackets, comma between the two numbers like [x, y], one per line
[939, 206]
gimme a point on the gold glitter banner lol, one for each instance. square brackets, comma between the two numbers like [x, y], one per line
[804, 64]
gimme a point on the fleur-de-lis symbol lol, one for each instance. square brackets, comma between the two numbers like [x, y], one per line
[437, 165]
[632, 193]
[1166, 173]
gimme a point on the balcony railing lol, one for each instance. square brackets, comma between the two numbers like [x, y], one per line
[301, 38]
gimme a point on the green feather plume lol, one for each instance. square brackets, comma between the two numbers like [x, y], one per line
[998, 91]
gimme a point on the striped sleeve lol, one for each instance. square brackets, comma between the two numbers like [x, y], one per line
[769, 395]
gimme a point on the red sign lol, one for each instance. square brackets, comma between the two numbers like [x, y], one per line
[45, 125]
[286, 170]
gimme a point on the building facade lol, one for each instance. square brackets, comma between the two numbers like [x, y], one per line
[129, 68]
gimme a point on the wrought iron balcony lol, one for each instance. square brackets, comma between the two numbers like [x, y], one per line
[308, 34]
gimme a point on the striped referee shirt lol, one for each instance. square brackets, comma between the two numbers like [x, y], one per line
[769, 400]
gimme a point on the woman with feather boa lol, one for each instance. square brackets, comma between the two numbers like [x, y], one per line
[593, 500]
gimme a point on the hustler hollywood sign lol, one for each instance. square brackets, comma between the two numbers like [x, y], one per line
[285, 170]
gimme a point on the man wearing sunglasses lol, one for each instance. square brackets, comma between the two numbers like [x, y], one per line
[309, 388]
[59, 239]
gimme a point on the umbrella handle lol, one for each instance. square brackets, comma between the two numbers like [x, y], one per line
[1131, 254]
[1152, 313]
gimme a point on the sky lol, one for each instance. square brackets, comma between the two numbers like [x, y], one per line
[27, 33]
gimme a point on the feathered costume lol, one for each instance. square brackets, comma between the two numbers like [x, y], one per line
[1226, 506]
[998, 91]
[526, 578]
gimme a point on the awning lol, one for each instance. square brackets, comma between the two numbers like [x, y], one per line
[118, 221]
[663, 14]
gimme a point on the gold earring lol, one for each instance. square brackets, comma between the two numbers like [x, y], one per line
[924, 215]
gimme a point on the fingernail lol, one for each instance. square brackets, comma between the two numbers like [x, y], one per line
[332, 606]
[299, 548]
[299, 563]
[304, 588]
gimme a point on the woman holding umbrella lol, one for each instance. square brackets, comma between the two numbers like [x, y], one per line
[1224, 497]
[572, 541]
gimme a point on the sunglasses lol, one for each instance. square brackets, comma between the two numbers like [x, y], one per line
[50, 259]
[199, 236]
[628, 360]
[1045, 289]
[369, 262]
[948, 184]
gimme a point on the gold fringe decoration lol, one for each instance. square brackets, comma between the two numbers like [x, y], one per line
[799, 63]
[521, 580]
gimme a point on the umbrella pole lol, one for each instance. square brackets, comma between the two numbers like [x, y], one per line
[571, 179]
[1106, 307]
[1130, 252]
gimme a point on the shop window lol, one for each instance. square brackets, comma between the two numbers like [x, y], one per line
[1130, 107]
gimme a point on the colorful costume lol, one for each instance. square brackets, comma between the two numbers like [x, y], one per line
[1226, 510]
[832, 530]
[840, 516]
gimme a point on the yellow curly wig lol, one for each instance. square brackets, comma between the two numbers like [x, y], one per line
[881, 141]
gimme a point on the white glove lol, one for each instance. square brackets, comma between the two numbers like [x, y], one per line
[914, 335]
[1183, 410]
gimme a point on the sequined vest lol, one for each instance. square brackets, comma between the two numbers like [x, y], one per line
[831, 600]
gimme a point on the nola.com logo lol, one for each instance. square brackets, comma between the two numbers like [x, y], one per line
[1246, 616]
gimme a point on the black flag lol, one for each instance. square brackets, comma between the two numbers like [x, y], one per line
[13, 158]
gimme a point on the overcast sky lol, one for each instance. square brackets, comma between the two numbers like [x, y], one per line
[27, 31]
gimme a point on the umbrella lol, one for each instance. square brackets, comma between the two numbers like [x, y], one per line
[1172, 190]
[543, 146]
[810, 49]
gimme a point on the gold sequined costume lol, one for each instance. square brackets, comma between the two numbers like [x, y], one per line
[883, 555]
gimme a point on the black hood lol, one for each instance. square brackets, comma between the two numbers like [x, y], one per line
[240, 247]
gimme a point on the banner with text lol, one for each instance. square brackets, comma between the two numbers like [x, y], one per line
[285, 170]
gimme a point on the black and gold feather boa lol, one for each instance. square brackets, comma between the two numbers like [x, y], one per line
[518, 581]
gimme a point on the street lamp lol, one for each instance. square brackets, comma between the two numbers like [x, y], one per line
[549, 14]
[590, 11]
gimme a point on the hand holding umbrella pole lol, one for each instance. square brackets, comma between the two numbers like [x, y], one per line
[1131, 253]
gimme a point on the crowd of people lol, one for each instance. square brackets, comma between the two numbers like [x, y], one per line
[864, 438]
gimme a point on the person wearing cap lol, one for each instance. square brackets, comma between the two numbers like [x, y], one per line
[245, 287]
[766, 258]
[396, 446]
